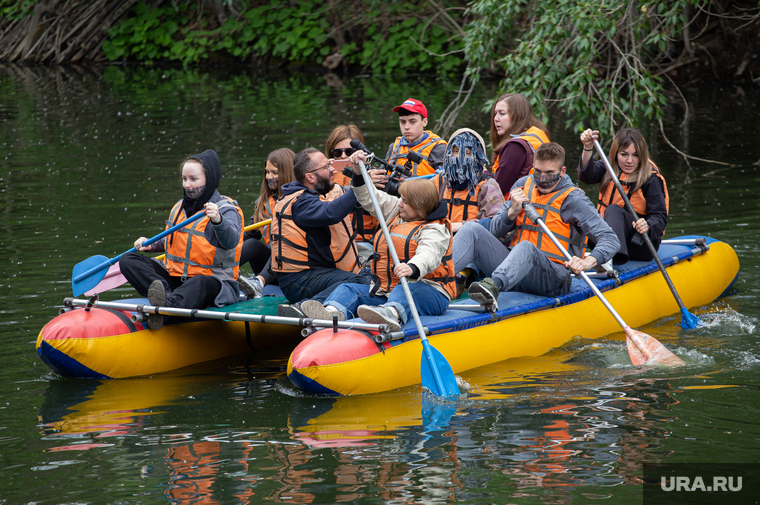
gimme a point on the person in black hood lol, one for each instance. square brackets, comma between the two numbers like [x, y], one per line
[421, 235]
[201, 264]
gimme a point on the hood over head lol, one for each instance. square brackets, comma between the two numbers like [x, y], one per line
[213, 169]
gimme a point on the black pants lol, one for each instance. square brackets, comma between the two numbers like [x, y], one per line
[632, 245]
[258, 255]
[196, 292]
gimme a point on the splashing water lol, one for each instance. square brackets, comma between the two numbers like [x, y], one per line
[729, 321]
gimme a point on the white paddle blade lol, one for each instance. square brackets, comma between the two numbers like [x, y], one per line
[647, 350]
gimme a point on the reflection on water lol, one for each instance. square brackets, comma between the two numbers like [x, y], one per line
[89, 161]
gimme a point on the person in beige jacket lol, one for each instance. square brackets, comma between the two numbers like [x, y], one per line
[421, 234]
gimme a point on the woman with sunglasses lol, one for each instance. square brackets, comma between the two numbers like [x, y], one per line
[277, 171]
[338, 147]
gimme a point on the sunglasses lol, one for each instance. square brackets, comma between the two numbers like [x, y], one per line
[337, 153]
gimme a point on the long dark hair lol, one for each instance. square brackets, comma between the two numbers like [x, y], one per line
[283, 159]
[623, 139]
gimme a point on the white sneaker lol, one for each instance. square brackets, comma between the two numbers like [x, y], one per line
[379, 315]
[252, 287]
[316, 310]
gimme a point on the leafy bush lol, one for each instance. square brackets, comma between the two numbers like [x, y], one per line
[382, 38]
[599, 59]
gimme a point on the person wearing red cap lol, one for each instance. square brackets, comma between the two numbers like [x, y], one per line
[412, 119]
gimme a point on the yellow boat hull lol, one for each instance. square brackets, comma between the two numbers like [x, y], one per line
[699, 280]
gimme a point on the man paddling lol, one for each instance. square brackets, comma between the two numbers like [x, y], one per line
[531, 263]
[311, 235]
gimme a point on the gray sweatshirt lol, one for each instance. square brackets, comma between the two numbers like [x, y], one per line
[577, 211]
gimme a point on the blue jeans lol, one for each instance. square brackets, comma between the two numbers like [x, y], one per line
[428, 300]
[316, 283]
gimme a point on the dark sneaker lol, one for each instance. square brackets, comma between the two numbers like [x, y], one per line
[379, 315]
[157, 298]
[485, 293]
[316, 310]
[290, 310]
[252, 287]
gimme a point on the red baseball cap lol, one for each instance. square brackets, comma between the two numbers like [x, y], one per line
[412, 105]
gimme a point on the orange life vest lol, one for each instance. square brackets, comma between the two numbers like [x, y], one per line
[403, 233]
[532, 138]
[611, 196]
[268, 206]
[188, 253]
[292, 251]
[399, 152]
[548, 207]
[365, 224]
[462, 206]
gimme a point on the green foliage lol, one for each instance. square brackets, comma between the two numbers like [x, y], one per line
[16, 9]
[597, 58]
[400, 48]
[286, 30]
[384, 38]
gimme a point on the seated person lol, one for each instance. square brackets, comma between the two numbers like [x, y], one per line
[311, 236]
[645, 188]
[201, 264]
[422, 239]
[412, 119]
[277, 172]
[532, 263]
[515, 136]
[466, 185]
[338, 147]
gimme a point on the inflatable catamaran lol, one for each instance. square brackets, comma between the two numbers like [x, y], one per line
[96, 339]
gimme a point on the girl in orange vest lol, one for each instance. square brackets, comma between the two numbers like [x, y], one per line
[277, 171]
[515, 135]
[201, 264]
[644, 185]
[422, 238]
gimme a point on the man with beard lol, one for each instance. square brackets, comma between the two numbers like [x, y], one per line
[311, 235]
[532, 264]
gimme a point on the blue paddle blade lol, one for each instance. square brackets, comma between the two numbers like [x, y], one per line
[689, 320]
[93, 279]
[445, 384]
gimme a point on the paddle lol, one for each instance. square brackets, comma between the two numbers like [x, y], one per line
[114, 278]
[437, 375]
[688, 320]
[642, 348]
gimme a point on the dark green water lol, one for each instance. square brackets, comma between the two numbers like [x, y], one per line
[88, 162]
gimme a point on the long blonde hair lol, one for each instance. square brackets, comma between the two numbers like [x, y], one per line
[283, 159]
[521, 118]
[622, 140]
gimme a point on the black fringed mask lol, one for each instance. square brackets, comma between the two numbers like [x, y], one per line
[464, 162]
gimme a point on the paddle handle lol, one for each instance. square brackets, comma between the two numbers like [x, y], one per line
[106, 264]
[631, 211]
[531, 213]
[413, 308]
[250, 227]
